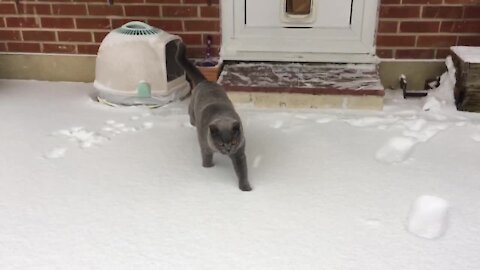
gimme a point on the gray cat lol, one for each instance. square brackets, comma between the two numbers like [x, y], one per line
[219, 127]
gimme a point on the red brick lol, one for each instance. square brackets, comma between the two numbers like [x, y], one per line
[179, 11]
[92, 1]
[382, 53]
[210, 25]
[56, 22]
[442, 12]
[389, 2]
[116, 23]
[23, 47]
[200, 1]
[469, 40]
[210, 12]
[69, 9]
[147, 10]
[105, 10]
[415, 53]
[88, 49]
[399, 11]
[472, 12]
[167, 25]
[436, 41]
[216, 39]
[2, 22]
[442, 53]
[3, 47]
[199, 52]
[40, 9]
[191, 39]
[422, 2]
[59, 48]
[163, 1]
[74, 36]
[7, 8]
[395, 41]
[195, 52]
[387, 27]
[463, 2]
[38, 35]
[27, 22]
[92, 23]
[460, 26]
[128, 1]
[9, 35]
[419, 27]
[99, 36]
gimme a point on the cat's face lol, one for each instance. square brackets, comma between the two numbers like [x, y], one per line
[226, 137]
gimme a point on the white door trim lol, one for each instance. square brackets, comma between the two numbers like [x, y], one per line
[350, 45]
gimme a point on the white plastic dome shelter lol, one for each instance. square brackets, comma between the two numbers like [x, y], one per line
[136, 65]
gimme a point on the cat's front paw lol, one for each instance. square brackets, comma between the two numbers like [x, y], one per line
[207, 164]
[245, 187]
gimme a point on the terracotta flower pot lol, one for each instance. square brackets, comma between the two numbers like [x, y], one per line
[211, 73]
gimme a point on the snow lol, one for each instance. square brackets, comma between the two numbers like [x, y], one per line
[302, 75]
[469, 54]
[397, 149]
[428, 217]
[332, 189]
[367, 67]
[257, 161]
[443, 96]
[148, 125]
[371, 121]
[57, 152]
[85, 138]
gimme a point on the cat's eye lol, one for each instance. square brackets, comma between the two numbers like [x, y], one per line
[236, 128]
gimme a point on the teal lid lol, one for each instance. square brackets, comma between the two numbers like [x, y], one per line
[136, 28]
[143, 90]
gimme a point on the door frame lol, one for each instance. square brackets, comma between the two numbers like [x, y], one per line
[347, 45]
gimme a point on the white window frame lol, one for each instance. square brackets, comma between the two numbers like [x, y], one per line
[347, 45]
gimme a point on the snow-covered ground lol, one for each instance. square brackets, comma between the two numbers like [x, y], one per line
[87, 186]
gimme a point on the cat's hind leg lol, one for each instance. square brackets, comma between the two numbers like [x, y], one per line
[191, 114]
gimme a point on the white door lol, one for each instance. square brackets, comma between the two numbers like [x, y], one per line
[299, 30]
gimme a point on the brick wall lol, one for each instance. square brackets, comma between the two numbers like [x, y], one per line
[408, 29]
[78, 26]
[425, 29]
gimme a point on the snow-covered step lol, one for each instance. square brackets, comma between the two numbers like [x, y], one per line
[304, 85]
[467, 88]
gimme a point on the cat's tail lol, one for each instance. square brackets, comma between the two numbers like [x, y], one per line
[192, 71]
